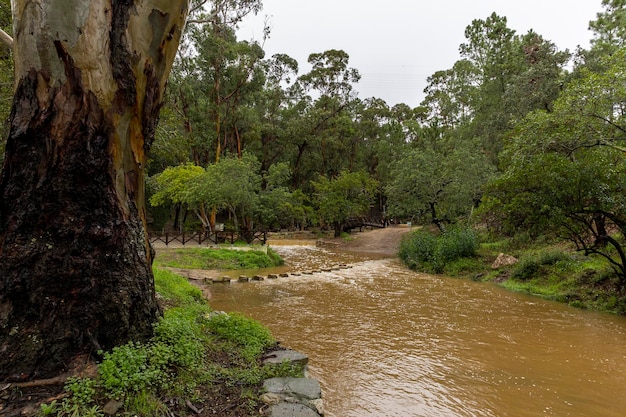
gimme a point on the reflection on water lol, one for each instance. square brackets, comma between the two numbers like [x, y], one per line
[385, 341]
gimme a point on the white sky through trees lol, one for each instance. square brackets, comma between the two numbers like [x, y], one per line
[397, 44]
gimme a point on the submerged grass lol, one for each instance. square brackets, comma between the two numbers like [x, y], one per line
[196, 357]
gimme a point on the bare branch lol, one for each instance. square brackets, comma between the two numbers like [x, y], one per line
[6, 39]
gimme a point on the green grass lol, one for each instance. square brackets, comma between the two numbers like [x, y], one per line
[207, 258]
[546, 268]
[194, 355]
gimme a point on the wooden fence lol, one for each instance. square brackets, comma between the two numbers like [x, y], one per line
[199, 238]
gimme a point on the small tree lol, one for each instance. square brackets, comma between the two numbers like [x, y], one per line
[348, 195]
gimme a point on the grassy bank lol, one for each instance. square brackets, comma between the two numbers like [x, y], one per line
[197, 359]
[208, 258]
[548, 269]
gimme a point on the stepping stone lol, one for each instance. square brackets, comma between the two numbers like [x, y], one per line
[304, 388]
[284, 275]
[243, 278]
[258, 278]
[290, 410]
[279, 356]
[272, 276]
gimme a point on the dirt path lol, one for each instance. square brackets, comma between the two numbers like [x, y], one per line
[380, 241]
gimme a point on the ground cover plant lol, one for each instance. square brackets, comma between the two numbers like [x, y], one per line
[197, 360]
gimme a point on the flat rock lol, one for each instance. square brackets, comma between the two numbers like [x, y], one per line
[280, 356]
[290, 410]
[299, 387]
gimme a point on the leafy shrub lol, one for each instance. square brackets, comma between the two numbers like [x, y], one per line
[528, 266]
[180, 331]
[133, 368]
[423, 250]
[417, 248]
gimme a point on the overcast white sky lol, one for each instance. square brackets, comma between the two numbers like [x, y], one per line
[397, 44]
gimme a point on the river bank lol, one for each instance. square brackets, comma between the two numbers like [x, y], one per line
[550, 270]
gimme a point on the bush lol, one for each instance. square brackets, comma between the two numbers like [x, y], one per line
[425, 251]
[528, 267]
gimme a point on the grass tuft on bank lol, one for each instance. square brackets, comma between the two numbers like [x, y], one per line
[211, 360]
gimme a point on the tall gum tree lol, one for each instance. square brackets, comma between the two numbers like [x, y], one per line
[75, 261]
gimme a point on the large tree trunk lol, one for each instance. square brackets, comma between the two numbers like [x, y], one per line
[75, 261]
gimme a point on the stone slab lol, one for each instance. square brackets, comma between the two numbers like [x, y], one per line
[279, 356]
[299, 387]
[290, 410]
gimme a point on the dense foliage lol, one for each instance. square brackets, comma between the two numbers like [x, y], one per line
[426, 251]
[517, 135]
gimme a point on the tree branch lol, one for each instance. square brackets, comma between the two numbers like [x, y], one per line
[6, 39]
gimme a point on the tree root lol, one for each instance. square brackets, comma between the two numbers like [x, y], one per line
[57, 380]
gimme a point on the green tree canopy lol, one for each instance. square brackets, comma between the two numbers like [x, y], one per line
[565, 169]
[348, 195]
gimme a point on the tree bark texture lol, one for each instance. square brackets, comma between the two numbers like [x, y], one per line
[75, 261]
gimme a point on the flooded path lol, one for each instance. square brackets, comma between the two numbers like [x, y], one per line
[385, 341]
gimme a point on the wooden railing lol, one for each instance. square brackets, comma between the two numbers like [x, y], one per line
[201, 237]
[361, 222]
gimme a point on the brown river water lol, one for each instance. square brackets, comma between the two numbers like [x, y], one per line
[385, 341]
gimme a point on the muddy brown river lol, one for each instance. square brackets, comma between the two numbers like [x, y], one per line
[385, 341]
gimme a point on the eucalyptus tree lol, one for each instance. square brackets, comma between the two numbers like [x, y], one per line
[6, 73]
[274, 112]
[565, 168]
[213, 75]
[75, 261]
[323, 132]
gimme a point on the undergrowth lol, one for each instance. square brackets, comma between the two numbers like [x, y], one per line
[193, 354]
[547, 268]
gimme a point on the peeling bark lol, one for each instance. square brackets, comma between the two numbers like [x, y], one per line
[75, 261]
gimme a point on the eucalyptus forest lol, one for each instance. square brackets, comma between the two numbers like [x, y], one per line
[518, 137]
